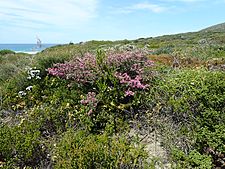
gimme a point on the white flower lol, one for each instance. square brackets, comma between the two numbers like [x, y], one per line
[22, 93]
[38, 77]
[33, 73]
[29, 87]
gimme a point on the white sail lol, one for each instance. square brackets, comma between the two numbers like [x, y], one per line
[38, 42]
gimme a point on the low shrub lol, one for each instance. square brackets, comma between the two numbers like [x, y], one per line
[192, 101]
[164, 50]
[84, 150]
[6, 52]
[20, 145]
[12, 65]
[6, 71]
[192, 160]
[113, 83]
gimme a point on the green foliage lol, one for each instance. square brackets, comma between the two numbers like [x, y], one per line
[84, 150]
[20, 145]
[6, 52]
[6, 145]
[12, 65]
[164, 50]
[193, 160]
[194, 102]
[6, 71]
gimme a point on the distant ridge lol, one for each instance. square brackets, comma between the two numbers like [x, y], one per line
[215, 28]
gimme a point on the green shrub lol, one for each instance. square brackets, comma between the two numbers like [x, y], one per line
[7, 71]
[114, 80]
[20, 145]
[12, 65]
[84, 150]
[6, 51]
[6, 143]
[194, 103]
[193, 160]
[164, 50]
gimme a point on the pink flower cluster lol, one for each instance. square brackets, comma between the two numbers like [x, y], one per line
[90, 101]
[135, 60]
[127, 57]
[135, 63]
[86, 69]
[129, 93]
[149, 63]
[56, 72]
[80, 69]
[133, 83]
[124, 78]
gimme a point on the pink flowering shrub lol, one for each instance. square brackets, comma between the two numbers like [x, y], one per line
[58, 70]
[87, 69]
[115, 76]
[81, 69]
[131, 69]
[130, 59]
[133, 83]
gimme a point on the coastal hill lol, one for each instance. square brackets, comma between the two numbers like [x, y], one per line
[215, 28]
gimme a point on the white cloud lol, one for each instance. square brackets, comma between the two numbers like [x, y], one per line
[148, 6]
[33, 13]
[156, 8]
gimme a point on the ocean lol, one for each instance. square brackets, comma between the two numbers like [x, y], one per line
[26, 48]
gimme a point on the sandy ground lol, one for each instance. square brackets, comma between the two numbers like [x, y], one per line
[157, 154]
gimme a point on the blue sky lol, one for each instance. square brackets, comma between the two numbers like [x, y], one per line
[62, 21]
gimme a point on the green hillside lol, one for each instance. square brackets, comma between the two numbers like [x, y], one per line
[215, 28]
[155, 102]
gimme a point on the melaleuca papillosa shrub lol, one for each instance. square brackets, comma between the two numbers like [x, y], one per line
[88, 68]
[111, 80]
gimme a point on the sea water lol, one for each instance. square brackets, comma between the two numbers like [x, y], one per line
[26, 48]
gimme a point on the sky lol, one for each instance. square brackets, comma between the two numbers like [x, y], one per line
[64, 21]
